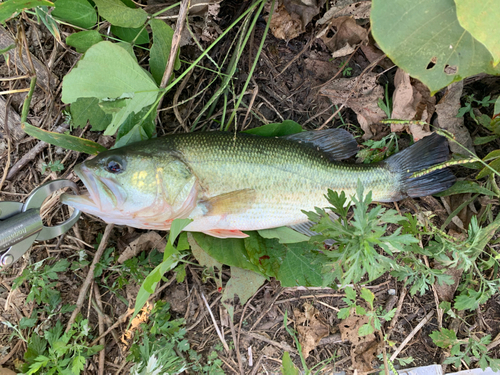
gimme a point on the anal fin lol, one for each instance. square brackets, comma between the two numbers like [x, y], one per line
[226, 233]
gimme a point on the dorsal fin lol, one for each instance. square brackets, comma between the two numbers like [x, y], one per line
[337, 143]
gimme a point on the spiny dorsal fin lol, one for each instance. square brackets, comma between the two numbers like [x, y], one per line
[337, 143]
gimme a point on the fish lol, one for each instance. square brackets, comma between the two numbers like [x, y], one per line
[228, 183]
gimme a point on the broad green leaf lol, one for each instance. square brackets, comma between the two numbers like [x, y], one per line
[75, 12]
[480, 18]
[229, 251]
[11, 7]
[83, 40]
[63, 140]
[461, 187]
[344, 313]
[350, 293]
[365, 330]
[299, 268]
[244, 284]
[139, 34]
[177, 226]
[425, 39]
[137, 134]
[160, 50]
[496, 109]
[286, 127]
[87, 109]
[118, 14]
[287, 366]
[284, 235]
[483, 140]
[267, 254]
[107, 71]
[201, 255]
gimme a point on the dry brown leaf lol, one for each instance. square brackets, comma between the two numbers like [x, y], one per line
[290, 17]
[345, 32]
[411, 101]
[361, 95]
[447, 119]
[6, 371]
[311, 334]
[364, 348]
[146, 241]
[356, 10]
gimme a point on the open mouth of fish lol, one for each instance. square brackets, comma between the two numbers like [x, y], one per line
[88, 200]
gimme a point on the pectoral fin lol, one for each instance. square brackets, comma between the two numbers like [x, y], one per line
[230, 203]
[226, 233]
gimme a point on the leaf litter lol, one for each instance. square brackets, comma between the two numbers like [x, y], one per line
[287, 91]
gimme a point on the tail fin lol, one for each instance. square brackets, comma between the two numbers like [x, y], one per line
[424, 154]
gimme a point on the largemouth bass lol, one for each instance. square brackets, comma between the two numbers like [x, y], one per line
[228, 183]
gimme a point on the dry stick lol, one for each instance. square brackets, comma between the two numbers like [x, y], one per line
[7, 135]
[439, 310]
[283, 346]
[32, 153]
[236, 345]
[90, 275]
[224, 343]
[412, 333]
[176, 41]
[102, 341]
[399, 306]
[178, 92]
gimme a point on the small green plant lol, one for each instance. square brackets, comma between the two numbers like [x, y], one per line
[376, 151]
[42, 282]
[346, 70]
[54, 166]
[477, 347]
[59, 352]
[386, 103]
[375, 316]
[471, 102]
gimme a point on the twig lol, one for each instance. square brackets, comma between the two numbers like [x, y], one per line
[176, 41]
[399, 306]
[236, 345]
[412, 333]
[224, 343]
[90, 275]
[283, 346]
[9, 141]
[102, 341]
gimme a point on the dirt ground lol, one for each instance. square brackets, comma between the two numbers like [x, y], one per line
[291, 81]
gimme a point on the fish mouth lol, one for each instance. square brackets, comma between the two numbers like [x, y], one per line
[88, 201]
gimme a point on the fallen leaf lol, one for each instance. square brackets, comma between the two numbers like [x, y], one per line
[411, 101]
[6, 371]
[361, 95]
[346, 32]
[311, 326]
[447, 110]
[356, 10]
[146, 241]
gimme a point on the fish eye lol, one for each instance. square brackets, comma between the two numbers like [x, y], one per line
[115, 166]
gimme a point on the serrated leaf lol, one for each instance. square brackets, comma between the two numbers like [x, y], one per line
[88, 109]
[75, 12]
[244, 284]
[444, 338]
[63, 140]
[284, 235]
[480, 18]
[286, 127]
[78, 364]
[137, 35]
[107, 71]
[160, 50]
[350, 293]
[343, 313]
[461, 187]
[428, 41]
[83, 40]
[118, 14]
[365, 330]
[11, 7]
